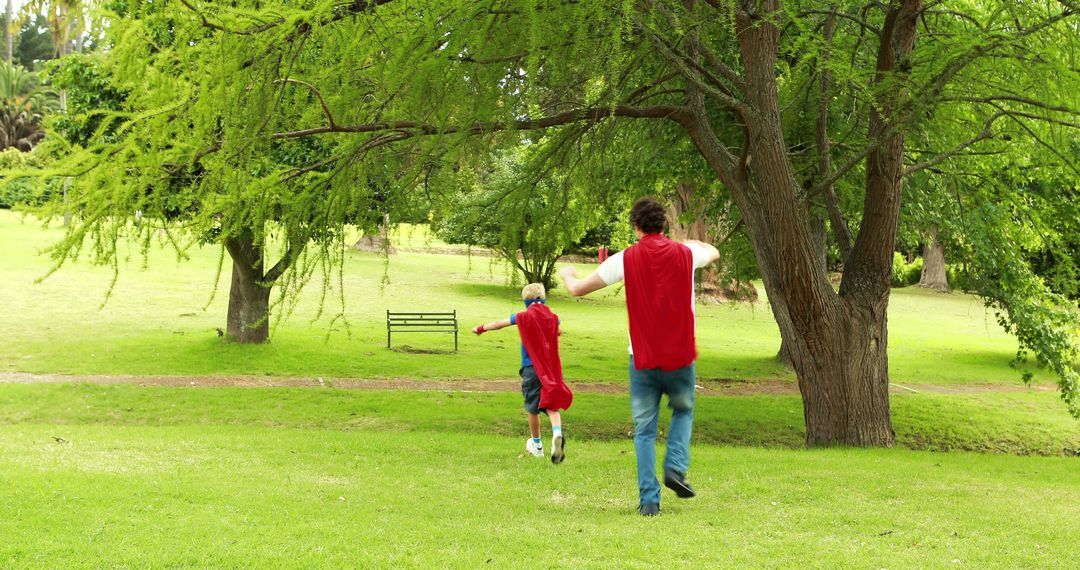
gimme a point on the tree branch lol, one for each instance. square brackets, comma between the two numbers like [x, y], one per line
[836, 216]
[866, 26]
[985, 133]
[1072, 166]
[713, 87]
[699, 49]
[990, 99]
[286, 261]
[413, 128]
[326, 110]
[640, 91]
[248, 32]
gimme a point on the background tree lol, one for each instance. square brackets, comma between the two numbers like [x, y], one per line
[34, 43]
[153, 136]
[68, 21]
[528, 218]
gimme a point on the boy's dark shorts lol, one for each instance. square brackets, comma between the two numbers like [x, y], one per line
[530, 389]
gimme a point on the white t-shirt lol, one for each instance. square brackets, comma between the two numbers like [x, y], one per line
[612, 271]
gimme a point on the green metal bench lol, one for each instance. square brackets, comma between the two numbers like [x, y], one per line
[422, 322]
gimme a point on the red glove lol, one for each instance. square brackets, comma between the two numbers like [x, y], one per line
[479, 329]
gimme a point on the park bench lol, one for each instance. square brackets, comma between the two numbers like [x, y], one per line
[422, 322]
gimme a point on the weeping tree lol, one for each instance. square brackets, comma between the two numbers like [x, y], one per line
[1006, 206]
[724, 72]
[180, 151]
[443, 75]
[527, 214]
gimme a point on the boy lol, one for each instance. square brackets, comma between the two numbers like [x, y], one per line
[542, 384]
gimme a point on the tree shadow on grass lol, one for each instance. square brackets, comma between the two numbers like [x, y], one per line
[415, 350]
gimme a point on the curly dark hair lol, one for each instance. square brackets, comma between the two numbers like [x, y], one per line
[649, 216]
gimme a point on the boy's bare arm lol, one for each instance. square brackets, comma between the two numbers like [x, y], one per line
[581, 287]
[492, 326]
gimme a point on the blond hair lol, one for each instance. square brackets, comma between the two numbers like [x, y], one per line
[533, 291]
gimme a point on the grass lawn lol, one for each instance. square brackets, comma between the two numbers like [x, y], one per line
[1018, 423]
[200, 477]
[154, 323]
[130, 476]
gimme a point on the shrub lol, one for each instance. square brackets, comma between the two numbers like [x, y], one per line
[960, 278]
[905, 273]
[16, 190]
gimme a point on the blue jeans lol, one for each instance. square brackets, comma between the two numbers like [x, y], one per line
[646, 387]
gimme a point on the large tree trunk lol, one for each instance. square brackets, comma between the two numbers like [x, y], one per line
[248, 319]
[837, 341]
[933, 269]
[687, 203]
[845, 383]
[378, 243]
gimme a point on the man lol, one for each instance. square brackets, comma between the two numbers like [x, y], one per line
[659, 276]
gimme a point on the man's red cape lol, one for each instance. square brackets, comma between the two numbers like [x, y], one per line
[539, 330]
[659, 275]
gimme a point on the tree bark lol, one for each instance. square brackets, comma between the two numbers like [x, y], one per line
[379, 243]
[820, 239]
[933, 269]
[687, 201]
[248, 319]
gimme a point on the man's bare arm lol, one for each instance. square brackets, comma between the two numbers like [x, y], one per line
[581, 287]
[714, 253]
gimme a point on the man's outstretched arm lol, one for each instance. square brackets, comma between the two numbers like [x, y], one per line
[713, 253]
[580, 287]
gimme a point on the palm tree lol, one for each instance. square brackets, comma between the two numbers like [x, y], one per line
[23, 104]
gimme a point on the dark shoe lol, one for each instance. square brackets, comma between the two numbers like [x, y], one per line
[649, 510]
[558, 443]
[677, 482]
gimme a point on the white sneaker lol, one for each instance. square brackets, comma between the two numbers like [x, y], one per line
[558, 444]
[537, 449]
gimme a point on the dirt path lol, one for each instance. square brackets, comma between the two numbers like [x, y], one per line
[714, 387]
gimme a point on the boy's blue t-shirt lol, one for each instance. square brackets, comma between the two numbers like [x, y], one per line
[525, 360]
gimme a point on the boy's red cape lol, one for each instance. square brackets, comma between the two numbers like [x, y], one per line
[659, 275]
[539, 330]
